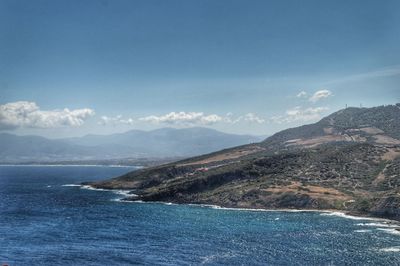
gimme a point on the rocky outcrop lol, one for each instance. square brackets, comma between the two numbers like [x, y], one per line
[387, 207]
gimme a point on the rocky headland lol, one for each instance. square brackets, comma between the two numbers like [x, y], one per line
[348, 161]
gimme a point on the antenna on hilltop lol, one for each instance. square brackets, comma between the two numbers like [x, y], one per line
[346, 105]
[360, 105]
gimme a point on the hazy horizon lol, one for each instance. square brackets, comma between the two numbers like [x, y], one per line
[126, 131]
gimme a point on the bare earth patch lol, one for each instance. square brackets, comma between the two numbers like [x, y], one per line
[318, 140]
[226, 156]
[372, 130]
[383, 139]
[391, 154]
[381, 176]
[312, 191]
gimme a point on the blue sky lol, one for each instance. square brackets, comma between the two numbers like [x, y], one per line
[237, 66]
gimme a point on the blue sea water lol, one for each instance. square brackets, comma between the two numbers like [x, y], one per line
[44, 222]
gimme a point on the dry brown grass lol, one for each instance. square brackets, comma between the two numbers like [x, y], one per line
[311, 190]
[318, 140]
[383, 139]
[391, 154]
[226, 156]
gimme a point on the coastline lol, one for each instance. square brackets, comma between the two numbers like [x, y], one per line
[133, 198]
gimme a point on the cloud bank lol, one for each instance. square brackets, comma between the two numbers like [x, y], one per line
[28, 114]
[106, 120]
[183, 118]
[249, 117]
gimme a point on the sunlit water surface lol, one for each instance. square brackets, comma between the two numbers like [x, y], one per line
[47, 221]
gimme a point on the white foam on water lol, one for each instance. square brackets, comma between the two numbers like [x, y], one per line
[363, 231]
[125, 193]
[260, 210]
[204, 205]
[347, 216]
[388, 225]
[390, 231]
[92, 188]
[217, 207]
[390, 249]
[146, 202]
[121, 192]
[379, 225]
[168, 203]
[71, 185]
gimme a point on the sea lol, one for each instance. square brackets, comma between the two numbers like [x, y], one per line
[47, 218]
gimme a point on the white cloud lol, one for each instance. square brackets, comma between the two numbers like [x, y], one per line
[301, 94]
[106, 120]
[251, 117]
[321, 94]
[28, 114]
[183, 118]
[300, 114]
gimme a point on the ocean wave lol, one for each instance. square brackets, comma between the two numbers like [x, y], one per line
[390, 231]
[379, 225]
[168, 203]
[121, 200]
[390, 249]
[93, 188]
[122, 192]
[147, 202]
[363, 231]
[125, 193]
[71, 185]
[217, 207]
[347, 216]
[260, 210]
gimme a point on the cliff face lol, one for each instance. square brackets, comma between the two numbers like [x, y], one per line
[348, 161]
[388, 206]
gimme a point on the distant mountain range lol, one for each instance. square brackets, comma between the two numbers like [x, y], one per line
[348, 161]
[160, 143]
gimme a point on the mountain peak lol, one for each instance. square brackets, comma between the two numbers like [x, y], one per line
[376, 124]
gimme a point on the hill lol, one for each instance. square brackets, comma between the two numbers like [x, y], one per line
[348, 161]
[160, 143]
